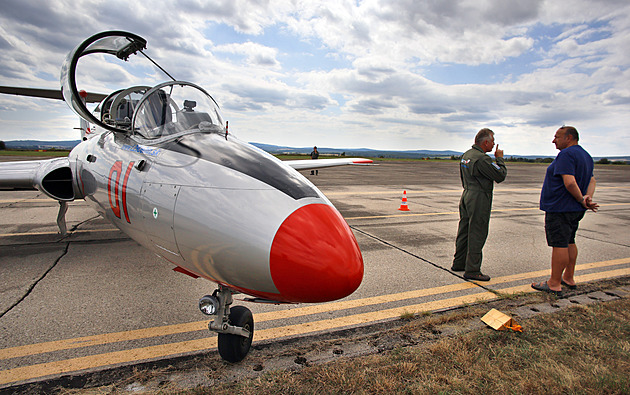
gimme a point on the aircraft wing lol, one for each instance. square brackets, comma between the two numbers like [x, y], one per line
[51, 176]
[47, 93]
[308, 164]
[19, 174]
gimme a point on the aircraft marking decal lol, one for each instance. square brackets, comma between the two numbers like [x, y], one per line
[124, 191]
[117, 168]
[141, 149]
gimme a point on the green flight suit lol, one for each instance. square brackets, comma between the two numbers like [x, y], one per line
[478, 174]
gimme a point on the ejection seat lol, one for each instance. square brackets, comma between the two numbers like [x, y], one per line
[187, 118]
[158, 114]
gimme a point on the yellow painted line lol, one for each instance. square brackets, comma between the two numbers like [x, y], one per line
[146, 353]
[346, 218]
[457, 212]
[50, 200]
[443, 213]
[87, 341]
[140, 354]
[355, 303]
[602, 275]
[338, 193]
[56, 233]
[99, 360]
[546, 272]
[412, 192]
[578, 279]
[401, 215]
[363, 318]
[396, 193]
[26, 200]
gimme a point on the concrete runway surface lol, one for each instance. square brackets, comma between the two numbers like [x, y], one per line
[96, 299]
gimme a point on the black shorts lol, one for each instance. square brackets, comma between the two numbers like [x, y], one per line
[560, 228]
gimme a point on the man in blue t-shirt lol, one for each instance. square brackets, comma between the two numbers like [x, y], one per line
[566, 194]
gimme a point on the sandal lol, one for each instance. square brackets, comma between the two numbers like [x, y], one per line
[574, 286]
[544, 287]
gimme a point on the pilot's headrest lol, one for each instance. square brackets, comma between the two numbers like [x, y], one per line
[189, 105]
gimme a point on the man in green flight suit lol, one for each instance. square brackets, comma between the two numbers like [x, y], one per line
[478, 173]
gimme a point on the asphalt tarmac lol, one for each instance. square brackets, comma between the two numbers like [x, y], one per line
[96, 299]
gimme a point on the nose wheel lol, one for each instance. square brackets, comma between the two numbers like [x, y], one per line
[235, 326]
[234, 348]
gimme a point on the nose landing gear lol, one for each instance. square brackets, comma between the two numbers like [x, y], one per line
[234, 348]
[235, 326]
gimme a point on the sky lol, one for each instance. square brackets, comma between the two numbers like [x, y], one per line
[380, 74]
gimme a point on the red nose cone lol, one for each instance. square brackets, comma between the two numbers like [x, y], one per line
[315, 257]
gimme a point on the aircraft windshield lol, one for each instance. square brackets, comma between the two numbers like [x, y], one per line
[169, 109]
[117, 109]
[173, 108]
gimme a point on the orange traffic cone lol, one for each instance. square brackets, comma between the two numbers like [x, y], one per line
[403, 205]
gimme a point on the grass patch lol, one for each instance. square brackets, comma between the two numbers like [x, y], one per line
[51, 154]
[582, 350]
[407, 316]
[304, 157]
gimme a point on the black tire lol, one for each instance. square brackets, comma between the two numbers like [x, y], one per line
[234, 348]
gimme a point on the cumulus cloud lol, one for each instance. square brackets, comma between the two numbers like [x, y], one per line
[256, 54]
[427, 73]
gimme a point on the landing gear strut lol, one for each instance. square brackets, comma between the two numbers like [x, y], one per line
[235, 326]
[61, 218]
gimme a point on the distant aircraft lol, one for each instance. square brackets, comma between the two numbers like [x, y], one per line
[159, 163]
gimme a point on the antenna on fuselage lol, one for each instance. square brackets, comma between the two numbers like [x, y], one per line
[84, 126]
[157, 65]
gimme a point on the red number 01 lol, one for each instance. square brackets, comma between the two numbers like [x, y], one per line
[117, 169]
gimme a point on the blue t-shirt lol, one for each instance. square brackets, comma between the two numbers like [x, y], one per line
[575, 161]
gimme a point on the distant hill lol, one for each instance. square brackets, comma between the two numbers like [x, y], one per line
[37, 144]
[277, 149]
[272, 149]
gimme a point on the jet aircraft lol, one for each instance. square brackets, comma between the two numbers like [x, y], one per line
[160, 164]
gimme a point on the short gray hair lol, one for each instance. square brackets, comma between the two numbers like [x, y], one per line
[483, 135]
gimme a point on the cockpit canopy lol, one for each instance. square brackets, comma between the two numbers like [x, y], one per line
[175, 107]
[166, 110]
[117, 43]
